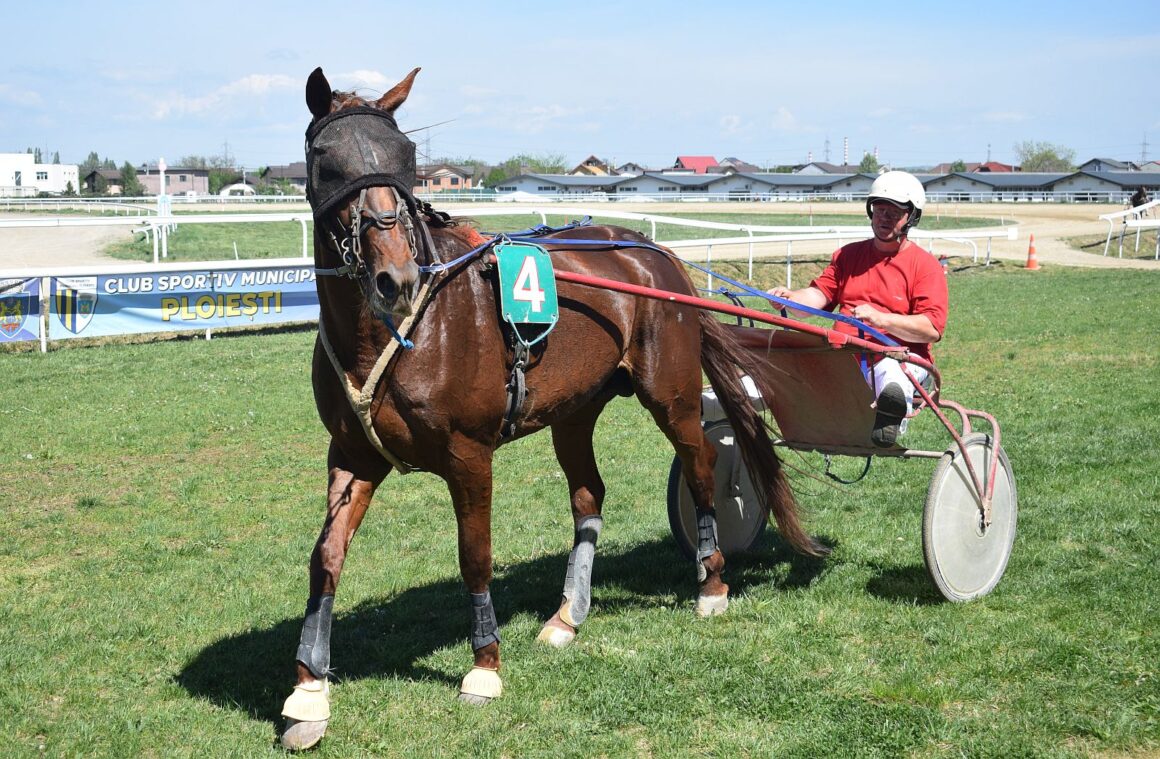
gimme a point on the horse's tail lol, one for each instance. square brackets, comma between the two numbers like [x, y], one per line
[721, 358]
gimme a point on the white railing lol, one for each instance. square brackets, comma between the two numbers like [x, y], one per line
[1139, 224]
[1137, 213]
[768, 234]
[157, 228]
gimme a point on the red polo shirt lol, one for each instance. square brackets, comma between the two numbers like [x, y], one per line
[910, 281]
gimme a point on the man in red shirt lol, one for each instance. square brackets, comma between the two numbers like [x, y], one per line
[891, 284]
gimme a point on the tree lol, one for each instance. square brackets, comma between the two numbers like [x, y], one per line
[959, 165]
[56, 157]
[69, 190]
[130, 184]
[869, 164]
[1044, 156]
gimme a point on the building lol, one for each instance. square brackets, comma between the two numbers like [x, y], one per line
[443, 177]
[22, 177]
[179, 180]
[697, 164]
[593, 167]
[1107, 164]
[821, 167]
[293, 174]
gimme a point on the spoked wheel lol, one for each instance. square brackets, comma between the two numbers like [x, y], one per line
[740, 515]
[965, 557]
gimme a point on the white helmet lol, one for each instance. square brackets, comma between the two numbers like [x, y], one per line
[901, 189]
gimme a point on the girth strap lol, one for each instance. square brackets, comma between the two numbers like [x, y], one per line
[361, 398]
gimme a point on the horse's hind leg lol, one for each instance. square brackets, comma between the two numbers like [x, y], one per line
[572, 440]
[677, 413]
[307, 710]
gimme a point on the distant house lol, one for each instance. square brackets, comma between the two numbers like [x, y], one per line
[1107, 164]
[103, 180]
[733, 165]
[697, 164]
[592, 167]
[972, 167]
[22, 176]
[630, 169]
[294, 174]
[821, 167]
[179, 180]
[1101, 185]
[559, 184]
[443, 177]
[999, 186]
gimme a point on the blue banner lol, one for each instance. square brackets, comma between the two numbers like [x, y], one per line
[19, 309]
[174, 300]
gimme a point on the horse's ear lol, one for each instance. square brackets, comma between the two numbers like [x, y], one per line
[397, 94]
[318, 93]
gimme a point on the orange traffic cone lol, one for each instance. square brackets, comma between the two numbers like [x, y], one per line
[1032, 259]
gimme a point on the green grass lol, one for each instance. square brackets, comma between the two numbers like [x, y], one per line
[160, 502]
[211, 242]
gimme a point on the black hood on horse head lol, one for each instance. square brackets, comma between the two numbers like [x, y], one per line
[353, 149]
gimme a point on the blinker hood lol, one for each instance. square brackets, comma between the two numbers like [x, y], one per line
[352, 149]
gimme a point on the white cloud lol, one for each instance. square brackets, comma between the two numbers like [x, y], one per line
[784, 121]
[536, 119]
[731, 124]
[881, 113]
[365, 78]
[253, 85]
[15, 96]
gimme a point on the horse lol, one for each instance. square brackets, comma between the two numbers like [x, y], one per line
[413, 369]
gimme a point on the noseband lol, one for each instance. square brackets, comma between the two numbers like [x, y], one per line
[347, 239]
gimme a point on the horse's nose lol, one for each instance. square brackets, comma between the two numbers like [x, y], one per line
[387, 286]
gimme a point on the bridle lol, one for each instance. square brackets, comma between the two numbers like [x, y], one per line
[347, 239]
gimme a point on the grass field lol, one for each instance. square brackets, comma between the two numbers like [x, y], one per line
[161, 500]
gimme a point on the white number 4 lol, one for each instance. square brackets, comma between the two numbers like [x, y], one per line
[527, 287]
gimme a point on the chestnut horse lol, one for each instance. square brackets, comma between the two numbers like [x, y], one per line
[444, 406]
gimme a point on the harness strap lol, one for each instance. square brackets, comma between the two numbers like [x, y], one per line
[361, 398]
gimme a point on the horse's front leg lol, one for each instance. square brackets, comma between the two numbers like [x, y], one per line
[470, 480]
[307, 710]
[572, 440]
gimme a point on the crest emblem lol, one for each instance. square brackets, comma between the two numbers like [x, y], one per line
[75, 301]
[15, 307]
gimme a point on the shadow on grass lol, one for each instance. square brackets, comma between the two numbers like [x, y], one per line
[911, 585]
[253, 671]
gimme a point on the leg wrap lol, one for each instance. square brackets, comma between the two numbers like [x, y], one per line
[484, 629]
[578, 580]
[706, 540]
[314, 646]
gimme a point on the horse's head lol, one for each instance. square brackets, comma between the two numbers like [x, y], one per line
[360, 173]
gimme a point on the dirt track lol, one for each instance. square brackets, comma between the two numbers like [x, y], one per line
[1050, 223]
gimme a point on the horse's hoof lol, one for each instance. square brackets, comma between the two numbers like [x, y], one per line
[300, 736]
[557, 637]
[710, 606]
[480, 686]
[474, 700]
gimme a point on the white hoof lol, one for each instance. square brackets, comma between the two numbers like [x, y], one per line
[709, 606]
[555, 636]
[480, 686]
[300, 736]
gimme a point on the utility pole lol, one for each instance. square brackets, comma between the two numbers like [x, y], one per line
[1144, 149]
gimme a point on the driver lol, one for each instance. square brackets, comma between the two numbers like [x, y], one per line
[891, 284]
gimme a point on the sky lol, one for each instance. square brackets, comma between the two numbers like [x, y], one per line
[767, 82]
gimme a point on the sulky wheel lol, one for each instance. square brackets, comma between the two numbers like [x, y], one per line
[740, 515]
[966, 558]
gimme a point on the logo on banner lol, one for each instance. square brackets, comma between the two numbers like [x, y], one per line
[75, 300]
[15, 306]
